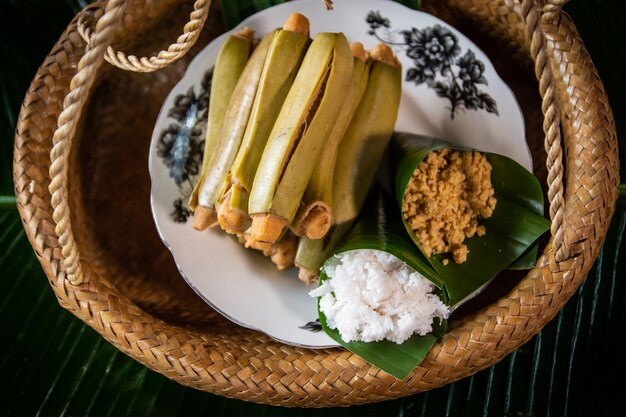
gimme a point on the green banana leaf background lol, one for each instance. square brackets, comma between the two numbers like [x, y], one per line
[51, 364]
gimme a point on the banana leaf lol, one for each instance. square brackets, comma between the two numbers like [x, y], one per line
[380, 228]
[516, 224]
[397, 360]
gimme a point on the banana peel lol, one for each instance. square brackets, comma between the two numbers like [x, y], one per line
[314, 217]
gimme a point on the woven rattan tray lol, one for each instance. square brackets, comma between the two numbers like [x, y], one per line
[96, 195]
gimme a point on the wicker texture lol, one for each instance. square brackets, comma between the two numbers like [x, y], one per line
[161, 59]
[132, 294]
[551, 123]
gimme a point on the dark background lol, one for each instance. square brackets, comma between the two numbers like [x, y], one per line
[51, 364]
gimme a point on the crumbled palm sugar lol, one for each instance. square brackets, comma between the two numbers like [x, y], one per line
[447, 194]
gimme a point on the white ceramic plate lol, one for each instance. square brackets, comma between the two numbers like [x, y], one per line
[451, 91]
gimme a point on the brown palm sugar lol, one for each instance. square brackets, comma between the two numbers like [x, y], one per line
[447, 194]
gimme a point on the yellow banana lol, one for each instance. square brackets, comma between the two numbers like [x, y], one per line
[281, 66]
[229, 65]
[314, 217]
[359, 155]
[230, 136]
[299, 135]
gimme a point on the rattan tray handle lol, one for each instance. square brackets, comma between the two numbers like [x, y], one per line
[99, 48]
[549, 12]
[174, 52]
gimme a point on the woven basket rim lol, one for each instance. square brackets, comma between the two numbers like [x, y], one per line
[495, 330]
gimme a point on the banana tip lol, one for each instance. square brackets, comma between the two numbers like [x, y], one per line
[297, 22]
[316, 221]
[384, 53]
[267, 228]
[283, 253]
[232, 220]
[246, 33]
[306, 276]
[358, 51]
[204, 218]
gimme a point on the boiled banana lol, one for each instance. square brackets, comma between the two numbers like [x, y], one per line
[314, 217]
[229, 65]
[359, 156]
[231, 133]
[284, 58]
[299, 135]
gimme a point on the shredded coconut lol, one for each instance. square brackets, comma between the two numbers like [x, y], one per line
[371, 295]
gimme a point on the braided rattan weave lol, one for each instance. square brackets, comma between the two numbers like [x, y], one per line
[132, 293]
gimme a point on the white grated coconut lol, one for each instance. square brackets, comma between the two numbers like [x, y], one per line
[371, 295]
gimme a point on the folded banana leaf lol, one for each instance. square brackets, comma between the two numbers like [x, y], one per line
[517, 220]
[380, 228]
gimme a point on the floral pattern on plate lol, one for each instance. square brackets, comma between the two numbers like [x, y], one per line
[180, 145]
[438, 63]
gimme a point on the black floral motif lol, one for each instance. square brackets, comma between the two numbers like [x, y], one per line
[375, 20]
[166, 142]
[205, 95]
[181, 144]
[471, 70]
[313, 326]
[181, 150]
[432, 48]
[180, 214]
[420, 75]
[182, 104]
[435, 52]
